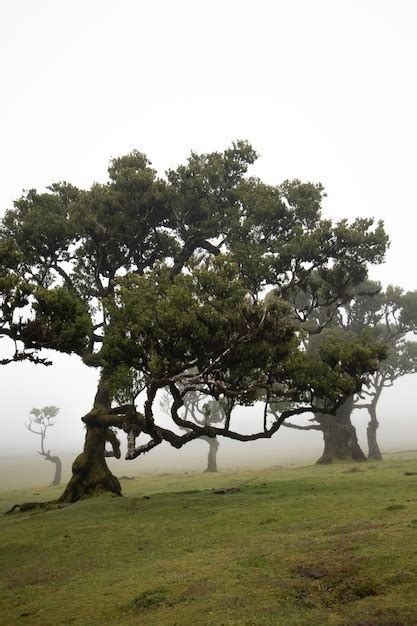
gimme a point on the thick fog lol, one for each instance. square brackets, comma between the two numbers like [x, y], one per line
[71, 386]
[324, 90]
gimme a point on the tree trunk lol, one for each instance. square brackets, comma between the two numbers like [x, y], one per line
[90, 474]
[340, 439]
[374, 452]
[212, 454]
[58, 468]
[58, 471]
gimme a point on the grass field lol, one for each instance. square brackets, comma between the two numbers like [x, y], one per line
[300, 546]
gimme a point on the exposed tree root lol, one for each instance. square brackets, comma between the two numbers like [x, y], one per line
[36, 507]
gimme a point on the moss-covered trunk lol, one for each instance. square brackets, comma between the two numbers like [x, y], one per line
[212, 454]
[339, 434]
[90, 473]
[374, 452]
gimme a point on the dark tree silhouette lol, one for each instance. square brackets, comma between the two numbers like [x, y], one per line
[339, 434]
[204, 412]
[388, 316]
[39, 423]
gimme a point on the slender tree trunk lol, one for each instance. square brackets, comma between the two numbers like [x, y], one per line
[340, 439]
[90, 473]
[212, 454]
[58, 469]
[374, 452]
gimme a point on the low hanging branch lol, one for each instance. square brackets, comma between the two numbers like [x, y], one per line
[213, 431]
[134, 423]
[204, 411]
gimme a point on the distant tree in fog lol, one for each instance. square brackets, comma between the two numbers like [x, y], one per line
[395, 318]
[204, 412]
[389, 316]
[39, 422]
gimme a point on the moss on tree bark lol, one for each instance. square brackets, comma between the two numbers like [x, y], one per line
[90, 473]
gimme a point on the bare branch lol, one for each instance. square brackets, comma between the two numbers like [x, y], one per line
[134, 452]
[298, 427]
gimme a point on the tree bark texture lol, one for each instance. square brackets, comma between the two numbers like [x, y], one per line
[339, 434]
[90, 473]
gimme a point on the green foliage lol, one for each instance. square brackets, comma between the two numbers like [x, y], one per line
[409, 310]
[389, 316]
[14, 291]
[41, 225]
[9, 256]
[206, 191]
[62, 321]
[163, 328]
[370, 317]
[125, 384]
[15, 294]
[401, 360]
[335, 365]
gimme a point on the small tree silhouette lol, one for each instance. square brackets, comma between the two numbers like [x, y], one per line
[204, 412]
[38, 423]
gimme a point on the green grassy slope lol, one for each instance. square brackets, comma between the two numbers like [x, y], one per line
[304, 546]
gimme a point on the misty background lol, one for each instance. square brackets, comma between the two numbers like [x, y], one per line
[325, 91]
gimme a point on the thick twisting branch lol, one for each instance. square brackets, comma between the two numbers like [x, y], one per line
[213, 431]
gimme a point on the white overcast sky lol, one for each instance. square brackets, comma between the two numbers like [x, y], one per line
[324, 89]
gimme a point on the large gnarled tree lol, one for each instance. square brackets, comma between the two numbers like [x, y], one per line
[163, 278]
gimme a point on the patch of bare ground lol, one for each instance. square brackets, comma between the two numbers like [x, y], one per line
[199, 589]
[364, 529]
[34, 576]
[334, 578]
[381, 617]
